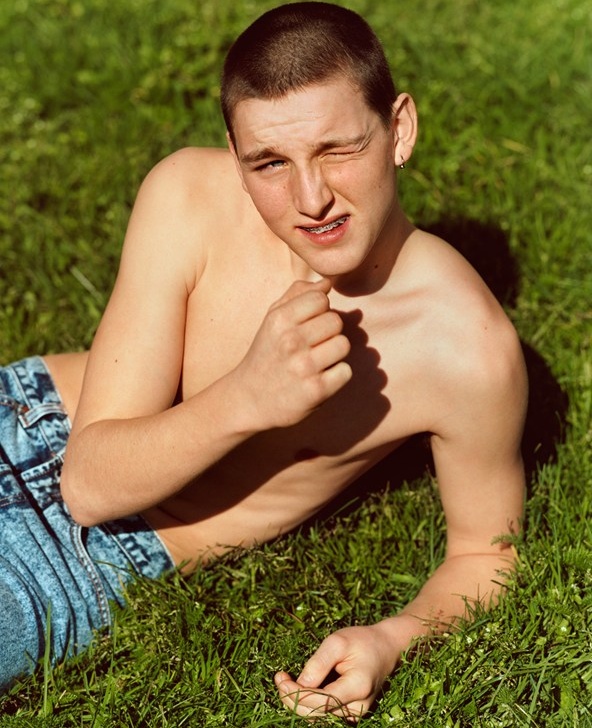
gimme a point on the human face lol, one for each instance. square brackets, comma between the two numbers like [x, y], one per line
[319, 167]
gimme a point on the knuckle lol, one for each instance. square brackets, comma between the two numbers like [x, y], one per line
[335, 321]
[289, 342]
[338, 641]
[279, 319]
[303, 367]
[319, 299]
[343, 345]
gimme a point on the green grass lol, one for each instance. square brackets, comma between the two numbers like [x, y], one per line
[92, 94]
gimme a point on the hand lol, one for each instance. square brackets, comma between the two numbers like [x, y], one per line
[296, 361]
[363, 657]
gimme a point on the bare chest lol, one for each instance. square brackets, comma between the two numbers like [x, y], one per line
[369, 416]
[279, 478]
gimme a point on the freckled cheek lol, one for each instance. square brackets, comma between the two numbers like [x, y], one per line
[271, 202]
[277, 212]
[340, 175]
[357, 182]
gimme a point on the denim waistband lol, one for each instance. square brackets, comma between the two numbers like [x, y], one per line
[29, 399]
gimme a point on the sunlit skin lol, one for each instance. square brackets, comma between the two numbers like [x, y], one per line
[325, 157]
[272, 340]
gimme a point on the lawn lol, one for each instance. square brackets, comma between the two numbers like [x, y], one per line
[92, 94]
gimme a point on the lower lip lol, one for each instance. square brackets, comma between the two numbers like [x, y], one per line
[330, 237]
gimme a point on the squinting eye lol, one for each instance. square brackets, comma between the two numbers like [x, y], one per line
[275, 164]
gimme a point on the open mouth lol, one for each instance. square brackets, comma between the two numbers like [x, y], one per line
[326, 228]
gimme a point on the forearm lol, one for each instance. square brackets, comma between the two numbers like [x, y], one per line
[115, 467]
[447, 596]
[121, 466]
[362, 657]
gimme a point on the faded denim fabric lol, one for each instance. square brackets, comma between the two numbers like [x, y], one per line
[48, 563]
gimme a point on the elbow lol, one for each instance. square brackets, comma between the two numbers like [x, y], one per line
[77, 505]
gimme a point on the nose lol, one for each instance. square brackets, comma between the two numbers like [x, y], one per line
[312, 195]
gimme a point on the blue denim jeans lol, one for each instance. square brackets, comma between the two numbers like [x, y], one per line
[49, 565]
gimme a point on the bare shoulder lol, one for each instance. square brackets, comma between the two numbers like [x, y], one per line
[194, 176]
[193, 162]
[176, 207]
[470, 345]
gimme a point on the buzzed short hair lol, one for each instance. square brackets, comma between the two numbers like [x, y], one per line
[304, 43]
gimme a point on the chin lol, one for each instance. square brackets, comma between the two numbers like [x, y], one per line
[338, 266]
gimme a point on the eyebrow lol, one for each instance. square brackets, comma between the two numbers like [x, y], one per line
[263, 153]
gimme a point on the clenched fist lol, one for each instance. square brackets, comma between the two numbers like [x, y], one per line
[296, 360]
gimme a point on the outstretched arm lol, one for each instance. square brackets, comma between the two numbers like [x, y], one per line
[481, 479]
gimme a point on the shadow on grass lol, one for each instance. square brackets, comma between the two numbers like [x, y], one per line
[486, 248]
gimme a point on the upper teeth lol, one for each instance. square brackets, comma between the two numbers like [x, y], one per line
[330, 226]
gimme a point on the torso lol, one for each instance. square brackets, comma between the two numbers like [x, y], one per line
[278, 479]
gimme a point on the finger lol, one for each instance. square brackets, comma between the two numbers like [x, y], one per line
[330, 352]
[299, 309]
[346, 690]
[305, 300]
[321, 327]
[332, 651]
[299, 287]
[306, 702]
[335, 378]
[313, 703]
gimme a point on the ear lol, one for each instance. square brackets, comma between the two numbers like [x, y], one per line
[404, 125]
[234, 153]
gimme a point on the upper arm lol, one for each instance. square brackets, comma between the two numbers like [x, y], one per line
[477, 437]
[136, 358]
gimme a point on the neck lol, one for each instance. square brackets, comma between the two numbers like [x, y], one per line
[376, 270]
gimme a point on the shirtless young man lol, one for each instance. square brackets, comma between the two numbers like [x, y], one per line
[276, 328]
